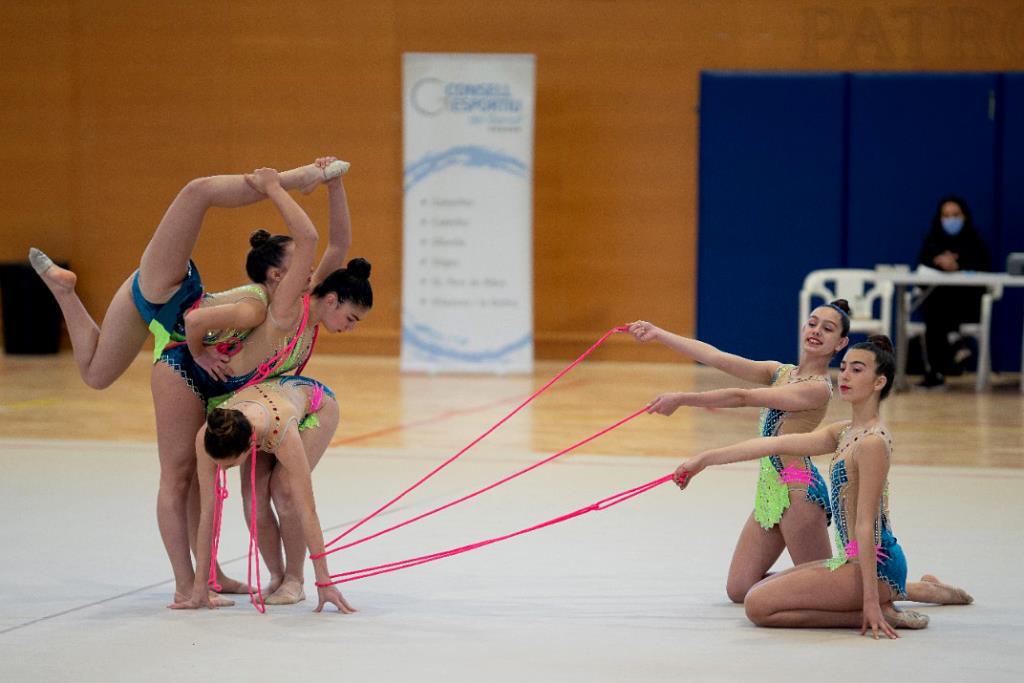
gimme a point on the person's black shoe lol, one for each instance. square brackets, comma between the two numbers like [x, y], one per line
[933, 380]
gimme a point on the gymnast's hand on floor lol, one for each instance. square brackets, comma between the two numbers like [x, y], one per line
[214, 362]
[644, 331]
[666, 404]
[330, 594]
[874, 620]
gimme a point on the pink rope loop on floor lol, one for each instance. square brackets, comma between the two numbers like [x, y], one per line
[474, 442]
[254, 539]
[220, 492]
[485, 488]
[603, 504]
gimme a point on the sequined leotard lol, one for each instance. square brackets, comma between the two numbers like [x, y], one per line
[891, 563]
[285, 400]
[776, 480]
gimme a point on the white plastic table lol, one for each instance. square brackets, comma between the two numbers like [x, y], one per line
[902, 280]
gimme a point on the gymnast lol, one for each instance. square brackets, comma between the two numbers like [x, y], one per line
[183, 391]
[791, 508]
[836, 592]
[289, 421]
[167, 284]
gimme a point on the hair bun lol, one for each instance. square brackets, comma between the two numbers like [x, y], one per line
[359, 268]
[258, 238]
[842, 304]
[881, 341]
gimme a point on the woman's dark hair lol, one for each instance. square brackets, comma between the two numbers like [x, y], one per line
[351, 283]
[885, 360]
[228, 433]
[843, 306]
[937, 218]
[267, 252]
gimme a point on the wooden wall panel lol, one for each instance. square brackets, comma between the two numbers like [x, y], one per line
[108, 108]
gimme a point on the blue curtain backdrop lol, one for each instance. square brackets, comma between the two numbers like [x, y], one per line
[802, 171]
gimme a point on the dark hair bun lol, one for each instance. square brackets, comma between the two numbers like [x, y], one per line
[359, 268]
[881, 341]
[842, 304]
[258, 238]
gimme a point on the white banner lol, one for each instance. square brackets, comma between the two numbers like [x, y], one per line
[467, 262]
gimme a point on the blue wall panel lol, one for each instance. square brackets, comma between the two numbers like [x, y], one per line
[1006, 318]
[914, 138]
[770, 203]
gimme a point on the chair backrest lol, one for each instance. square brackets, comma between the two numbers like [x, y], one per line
[860, 287]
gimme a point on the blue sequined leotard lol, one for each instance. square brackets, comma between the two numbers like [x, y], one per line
[776, 480]
[891, 563]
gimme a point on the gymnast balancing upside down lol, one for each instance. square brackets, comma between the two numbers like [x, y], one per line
[791, 508]
[287, 421]
[167, 285]
[178, 391]
[839, 592]
[283, 342]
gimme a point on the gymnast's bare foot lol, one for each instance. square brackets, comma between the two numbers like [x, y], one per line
[289, 593]
[216, 600]
[904, 618]
[232, 586]
[59, 280]
[930, 589]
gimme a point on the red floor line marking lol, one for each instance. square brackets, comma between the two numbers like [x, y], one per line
[446, 415]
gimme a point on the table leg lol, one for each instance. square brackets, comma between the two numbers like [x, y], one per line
[902, 345]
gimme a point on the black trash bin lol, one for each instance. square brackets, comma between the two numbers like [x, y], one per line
[30, 313]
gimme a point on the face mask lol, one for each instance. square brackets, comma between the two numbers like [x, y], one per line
[952, 224]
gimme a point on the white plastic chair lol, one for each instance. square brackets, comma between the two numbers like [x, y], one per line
[980, 331]
[861, 288]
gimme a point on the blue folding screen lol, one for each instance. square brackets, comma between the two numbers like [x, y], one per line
[770, 209]
[800, 172]
[1008, 315]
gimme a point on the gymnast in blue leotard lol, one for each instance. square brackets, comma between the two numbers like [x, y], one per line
[791, 508]
[856, 587]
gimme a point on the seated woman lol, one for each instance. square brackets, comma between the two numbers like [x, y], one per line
[840, 592]
[952, 244]
[791, 509]
[291, 419]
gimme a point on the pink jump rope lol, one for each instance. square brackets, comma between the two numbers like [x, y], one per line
[354, 575]
[220, 487]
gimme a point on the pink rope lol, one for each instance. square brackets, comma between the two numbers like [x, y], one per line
[478, 439]
[220, 492]
[484, 489]
[317, 399]
[312, 344]
[602, 504]
[254, 539]
[265, 369]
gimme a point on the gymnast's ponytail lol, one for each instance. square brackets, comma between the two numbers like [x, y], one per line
[885, 359]
[228, 433]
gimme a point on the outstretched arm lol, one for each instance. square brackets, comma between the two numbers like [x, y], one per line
[791, 397]
[872, 467]
[206, 468]
[814, 443]
[757, 371]
[304, 236]
[339, 237]
[292, 458]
